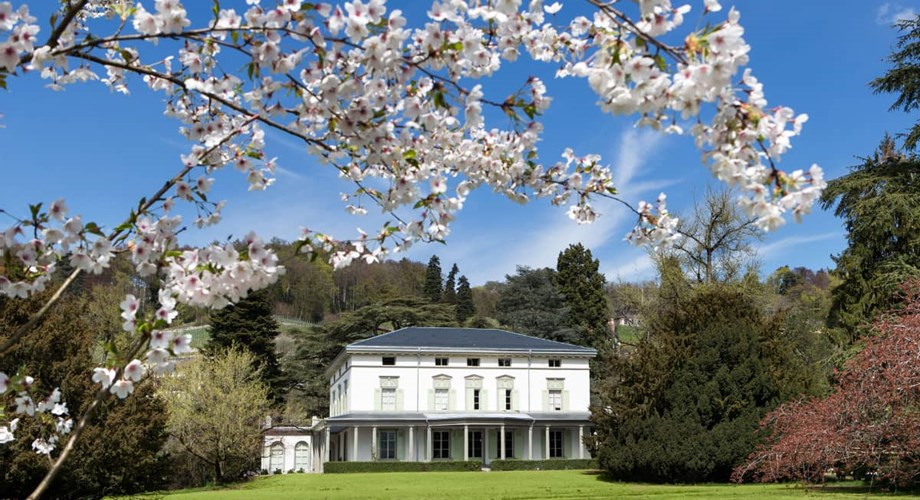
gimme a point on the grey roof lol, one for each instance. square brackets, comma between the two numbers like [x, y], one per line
[476, 339]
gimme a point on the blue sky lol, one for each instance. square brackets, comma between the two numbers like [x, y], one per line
[103, 151]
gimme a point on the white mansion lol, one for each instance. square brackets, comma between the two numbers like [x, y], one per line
[423, 394]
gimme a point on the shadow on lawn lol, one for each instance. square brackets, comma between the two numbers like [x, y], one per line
[845, 488]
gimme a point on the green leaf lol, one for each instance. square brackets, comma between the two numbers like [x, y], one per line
[440, 101]
[92, 228]
[410, 154]
[215, 8]
[661, 63]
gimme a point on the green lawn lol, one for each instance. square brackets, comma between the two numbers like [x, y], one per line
[499, 485]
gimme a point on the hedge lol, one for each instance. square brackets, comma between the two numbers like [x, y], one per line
[440, 466]
[552, 464]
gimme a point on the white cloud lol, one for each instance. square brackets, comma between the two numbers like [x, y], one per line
[893, 12]
[773, 249]
[636, 269]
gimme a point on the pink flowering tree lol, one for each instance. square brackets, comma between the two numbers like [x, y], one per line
[398, 111]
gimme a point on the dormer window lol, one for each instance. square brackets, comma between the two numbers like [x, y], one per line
[389, 361]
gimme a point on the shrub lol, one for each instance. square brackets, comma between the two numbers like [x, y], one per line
[449, 466]
[551, 464]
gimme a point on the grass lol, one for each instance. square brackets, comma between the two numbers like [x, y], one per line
[502, 486]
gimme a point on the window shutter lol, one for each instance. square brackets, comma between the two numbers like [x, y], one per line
[451, 400]
[565, 400]
[546, 401]
[377, 399]
[399, 400]
[483, 400]
[430, 399]
[469, 400]
[514, 401]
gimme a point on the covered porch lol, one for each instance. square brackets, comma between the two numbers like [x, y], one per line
[470, 436]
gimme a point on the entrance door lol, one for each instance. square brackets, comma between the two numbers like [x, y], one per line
[475, 444]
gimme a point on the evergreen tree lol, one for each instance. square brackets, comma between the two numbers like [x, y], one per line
[879, 202]
[904, 78]
[433, 283]
[450, 287]
[465, 307]
[250, 325]
[120, 450]
[685, 406]
[579, 281]
[531, 304]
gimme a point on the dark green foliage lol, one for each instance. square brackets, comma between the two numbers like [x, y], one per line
[450, 286]
[579, 281]
[552, 464]
[318, 346]
[531, 304]
[433, 284]
[903, 78]
[685, 405]
[306, 289]
[465, 306]
[119, 452]
[879, 202]
[445, 466]
[249, 324]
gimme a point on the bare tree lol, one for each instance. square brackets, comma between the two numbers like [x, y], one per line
[717, 240]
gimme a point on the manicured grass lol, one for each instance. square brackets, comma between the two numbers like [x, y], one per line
[501, 485]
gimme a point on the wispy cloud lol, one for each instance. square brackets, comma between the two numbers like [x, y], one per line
[635, 269]
[893, 12]
[772, 249]
[540, 244]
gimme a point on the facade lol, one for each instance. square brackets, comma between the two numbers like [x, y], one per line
[423, 394]
[428, 394]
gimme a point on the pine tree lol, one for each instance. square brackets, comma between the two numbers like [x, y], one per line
[433, 283]
[450, 286]
[249, 324]
[465, 307]
[579, 281]
[879, 202]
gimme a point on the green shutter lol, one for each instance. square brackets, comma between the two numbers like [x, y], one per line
[565, 400]
[430, 399]
[399, 400]
[483, 400]
[469, 400]
[377, 399]
[515, 405]
[546, 401]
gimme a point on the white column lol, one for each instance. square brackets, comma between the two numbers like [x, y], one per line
[530, 443]
[354, 444]
[466, 443]
[410, 453]
[546, 445]
[581, 443]
[501, 444]
[429, 447]
[374, 443]
[326, 447]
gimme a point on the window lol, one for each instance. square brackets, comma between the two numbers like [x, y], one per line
[555, 363]
[555, 444]
[302, 457]
[387, 445]
[441, 400]
[276, 459]
[475, 399]
[555, 400]
[509, 444]
[389, 361]
[388, 399]
[441, 361]
[474, 444]
[440, 444]
[504, 361]
[507, 399]
[472, 361]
